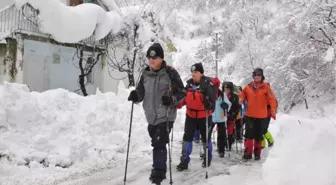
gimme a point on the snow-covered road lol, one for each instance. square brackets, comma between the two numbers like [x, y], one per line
[304, 153]
[56, 128]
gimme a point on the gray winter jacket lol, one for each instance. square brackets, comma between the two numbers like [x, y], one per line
[155, 84]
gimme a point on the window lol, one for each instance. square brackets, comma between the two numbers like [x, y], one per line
[78, 2]
[56, 58]
[75, 2]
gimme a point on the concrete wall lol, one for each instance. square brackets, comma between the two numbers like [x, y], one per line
[50, 66]
[8, 60]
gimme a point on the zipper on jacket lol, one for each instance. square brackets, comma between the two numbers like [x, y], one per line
[154, 85]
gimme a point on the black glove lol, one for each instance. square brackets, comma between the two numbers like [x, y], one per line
[133, 96]
[207, 104]
[167, 100]
[224, 106]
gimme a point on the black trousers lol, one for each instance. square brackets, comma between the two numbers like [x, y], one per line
[191, 124]
[239, 130]
[160, 138]
[266, 124]
[221, 137]
[255, 128]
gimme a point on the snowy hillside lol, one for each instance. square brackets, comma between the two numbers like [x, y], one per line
[58, 137]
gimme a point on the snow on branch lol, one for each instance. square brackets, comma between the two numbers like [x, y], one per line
[72, 24]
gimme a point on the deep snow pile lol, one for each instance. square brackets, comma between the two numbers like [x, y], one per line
[304, 152]
[73, 24]
[59, 133]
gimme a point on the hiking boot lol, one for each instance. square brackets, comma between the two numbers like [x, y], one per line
[203, 163]
[257, 154]
[157, 176]
[221, 154]
[150, 177]
[182, 166]
[247, 156]
[156, 181]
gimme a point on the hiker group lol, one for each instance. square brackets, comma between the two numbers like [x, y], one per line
[210, 105]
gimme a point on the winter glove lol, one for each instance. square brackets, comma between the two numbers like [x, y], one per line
[167, 100]
[224, 106]
[133, 96]
[207, 104]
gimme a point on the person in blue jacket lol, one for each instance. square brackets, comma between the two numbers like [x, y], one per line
[219, 117]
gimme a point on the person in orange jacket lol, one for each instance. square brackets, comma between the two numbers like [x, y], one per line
[258, 95]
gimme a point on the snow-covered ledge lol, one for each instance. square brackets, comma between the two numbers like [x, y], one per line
[73, 24]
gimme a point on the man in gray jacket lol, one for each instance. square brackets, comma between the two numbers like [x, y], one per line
[160, 88]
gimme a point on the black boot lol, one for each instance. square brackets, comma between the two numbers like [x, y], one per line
[246, 155]
[182, 166]
[204, 160]
[257, 154]
[157, 176]
[221, 154]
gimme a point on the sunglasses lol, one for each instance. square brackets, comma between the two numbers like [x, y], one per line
[154, 58]
[257, 74]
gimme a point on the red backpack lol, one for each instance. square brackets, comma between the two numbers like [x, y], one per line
[216, 82]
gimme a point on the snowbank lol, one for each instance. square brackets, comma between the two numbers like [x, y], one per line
[73, 24]
[59, 133]
[303, 152]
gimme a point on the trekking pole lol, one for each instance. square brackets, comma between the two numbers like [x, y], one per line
[242, 127]
[171, 141]
[206, 144]
[227, 132]
[169, 149]
[200, 151]
[236, 138]
[169, 155]
[129, 141]
[130, 130]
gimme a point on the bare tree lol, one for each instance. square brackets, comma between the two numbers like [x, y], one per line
[123, 51]
[86, 66]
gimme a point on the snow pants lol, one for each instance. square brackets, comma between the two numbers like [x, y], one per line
[266, 125]
[222, 138]
[160, 138]
[254, 132]
[190, 126]
[267, 136]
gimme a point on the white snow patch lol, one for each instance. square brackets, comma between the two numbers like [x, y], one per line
[73, 24]
[330, 54]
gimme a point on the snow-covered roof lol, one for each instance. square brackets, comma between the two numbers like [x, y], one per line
[73, 24]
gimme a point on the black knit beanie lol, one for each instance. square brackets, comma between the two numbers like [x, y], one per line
[155, 50]
[197, 67]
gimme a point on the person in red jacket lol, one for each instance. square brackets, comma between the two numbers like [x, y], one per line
[200, 100]
[258, 95]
